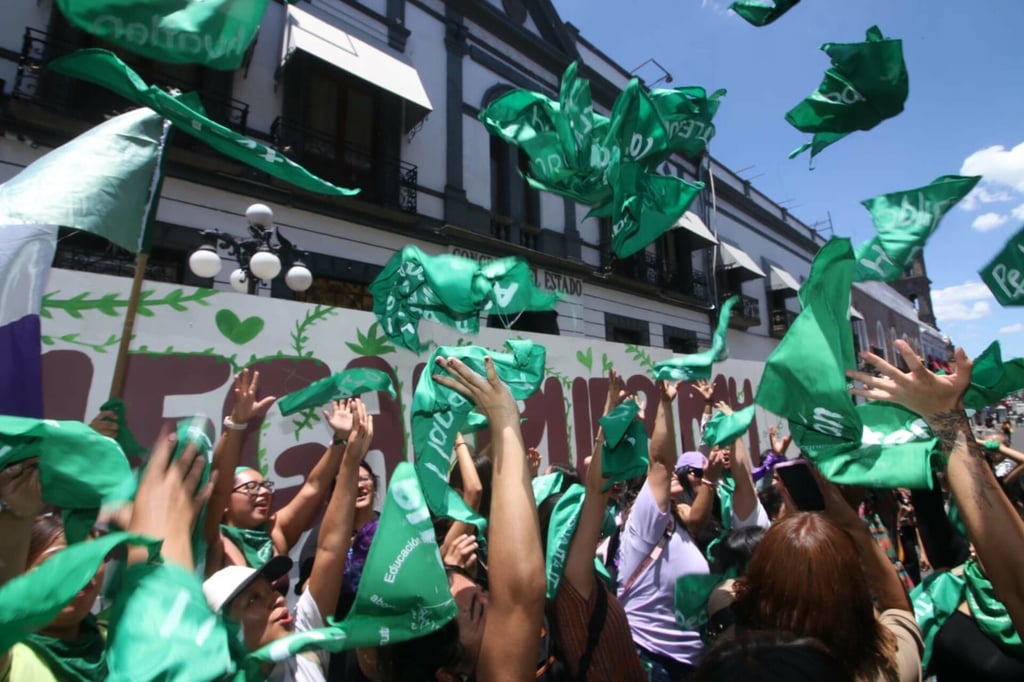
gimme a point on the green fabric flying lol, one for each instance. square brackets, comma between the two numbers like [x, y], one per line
[939, 596]
[866, 84]
[214, 33]
[992, 379]
[79, 469]
[113, 164]
[761, 13]
[1004, 274]
[564, 519]
[722, 429]
[338, 386]
[403, 593]
[185, 112]
[904, 221]
[624, 454]
[686, 113]
[875, 444]
[696, 366]
[438, 413]
[31, 600]
[161, 628]
[451, 290]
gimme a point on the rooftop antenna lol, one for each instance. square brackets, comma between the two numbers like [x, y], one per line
[666, 76]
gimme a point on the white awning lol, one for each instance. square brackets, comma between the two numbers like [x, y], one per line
[780, 280]
[735, 257]
[856, 314]
[692, 223]
[305, 32]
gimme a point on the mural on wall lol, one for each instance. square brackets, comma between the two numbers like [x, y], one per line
[189, 343]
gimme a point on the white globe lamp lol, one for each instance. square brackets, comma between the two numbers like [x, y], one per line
[260, 215]
[264, 265]
[204, 262]
[239, 282]
[298, 277]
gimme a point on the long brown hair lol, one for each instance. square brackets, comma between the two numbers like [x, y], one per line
[805, 578]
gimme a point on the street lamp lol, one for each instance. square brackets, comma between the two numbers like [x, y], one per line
[259, 257]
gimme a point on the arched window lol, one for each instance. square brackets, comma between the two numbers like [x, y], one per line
[515, 206]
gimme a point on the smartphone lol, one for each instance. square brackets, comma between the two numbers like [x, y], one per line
[800, 485]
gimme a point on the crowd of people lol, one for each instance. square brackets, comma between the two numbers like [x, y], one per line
[713, 565]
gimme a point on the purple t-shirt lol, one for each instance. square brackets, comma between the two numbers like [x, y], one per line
[650, 602]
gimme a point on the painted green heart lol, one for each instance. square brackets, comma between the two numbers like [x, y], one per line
[236, 330]
[586, 359]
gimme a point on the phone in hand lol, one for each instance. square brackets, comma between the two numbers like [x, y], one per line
[799, 485]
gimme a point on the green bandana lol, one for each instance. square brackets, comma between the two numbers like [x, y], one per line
[624, 455]
[992, 379]
[687, 114]
[79, 469]
[32, 600]
[451, 290]
[1004, 274]
[939, 595]
[691, 600]
[904, 221]
[161, 628]
[191, 431]
[726, 489]
[255, 544]
[125, 438]
[438, 413]
[214, 33]
[867, 84]
[564, 519]
[338, 386]
[723, 428]
[403, 593]
[761, 13]
[698, 365]
[185, 112]
[83, 660]
[993, 445]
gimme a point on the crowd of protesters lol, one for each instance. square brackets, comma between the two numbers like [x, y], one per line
[714, 565]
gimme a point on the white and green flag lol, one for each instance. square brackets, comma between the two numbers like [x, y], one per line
[1004, 274]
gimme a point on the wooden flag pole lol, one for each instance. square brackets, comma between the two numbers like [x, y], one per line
[141, 260]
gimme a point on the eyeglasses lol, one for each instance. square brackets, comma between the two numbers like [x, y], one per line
[252, 487]
[681, 472]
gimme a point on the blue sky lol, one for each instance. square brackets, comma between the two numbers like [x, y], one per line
[966, 104]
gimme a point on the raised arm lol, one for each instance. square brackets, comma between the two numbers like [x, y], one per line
[516, 563]
[663, 447]
[579, 564]
[744, 498]
[296, 516]
[225, 460]
[472, 493]
[335, 536]
[993, 525]
[697, 515]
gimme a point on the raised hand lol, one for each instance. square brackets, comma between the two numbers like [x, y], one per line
[246, 406]
[715, 465]
[489, 394]
[361, 435]
[779, 445]
[533, 459]
[669, 390]
[21, 495]
[919, 390]
[460, 551]
[616, 391]
[724, 407]
[705, 388]
[105, 423]
[341, 417]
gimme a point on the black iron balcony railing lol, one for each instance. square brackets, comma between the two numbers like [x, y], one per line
[782, 320]
[37, 85]
[746, 313]
[695, 284]
[642, 267]
[382, 180]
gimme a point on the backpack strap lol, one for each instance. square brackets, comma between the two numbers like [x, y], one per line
[653, 556]
[594, 629]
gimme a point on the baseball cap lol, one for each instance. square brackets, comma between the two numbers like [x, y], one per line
[691, 459]
[230, 581]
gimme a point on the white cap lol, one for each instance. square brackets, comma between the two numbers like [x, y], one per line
[227, 583]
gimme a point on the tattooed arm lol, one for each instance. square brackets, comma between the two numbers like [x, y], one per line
[993, 525]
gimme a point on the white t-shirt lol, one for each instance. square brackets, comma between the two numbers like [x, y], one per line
[310, 666]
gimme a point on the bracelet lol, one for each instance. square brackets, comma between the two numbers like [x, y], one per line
[710, 484]
[463, 443]
[339, 441]
[230, 424]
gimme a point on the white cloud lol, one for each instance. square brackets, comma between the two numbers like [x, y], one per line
[962, 302]
[988, 221]
[1012, 329]
[981, 195]
[1018, 212]
[999, 165]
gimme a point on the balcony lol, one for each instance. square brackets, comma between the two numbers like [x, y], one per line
[642, 267]
[694, 285]
[746, 313]
[70, 98]
[505, 229]
[382, 180]
[782, 320]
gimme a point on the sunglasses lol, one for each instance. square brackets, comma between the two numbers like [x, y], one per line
[681, 472]
[252, 487]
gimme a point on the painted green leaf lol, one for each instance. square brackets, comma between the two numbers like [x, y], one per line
[238, 331]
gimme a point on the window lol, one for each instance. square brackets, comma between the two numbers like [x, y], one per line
[337, 292]
[85, 251]
[681, 341]
[540, 322]
[620, 329]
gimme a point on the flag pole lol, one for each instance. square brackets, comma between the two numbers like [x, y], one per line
[141, 260]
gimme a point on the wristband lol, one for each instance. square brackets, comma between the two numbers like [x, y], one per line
[231, 425]
[710, 484]
[462, 444]
[339, 441]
